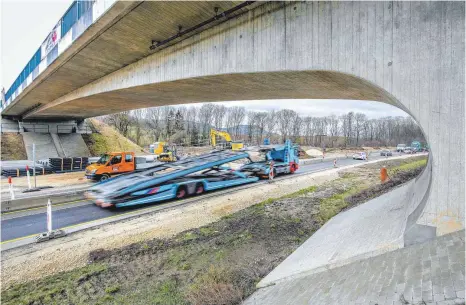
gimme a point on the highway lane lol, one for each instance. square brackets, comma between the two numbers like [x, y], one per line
[23, 223]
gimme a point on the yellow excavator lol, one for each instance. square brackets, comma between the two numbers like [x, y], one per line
[234, 145]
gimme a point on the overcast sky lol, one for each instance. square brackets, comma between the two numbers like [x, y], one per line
[26, 23]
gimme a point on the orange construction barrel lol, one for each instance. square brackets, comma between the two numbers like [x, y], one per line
[383, 174]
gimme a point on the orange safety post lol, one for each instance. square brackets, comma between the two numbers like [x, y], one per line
[383, 174]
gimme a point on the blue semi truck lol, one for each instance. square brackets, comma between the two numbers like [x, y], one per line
[277, 159]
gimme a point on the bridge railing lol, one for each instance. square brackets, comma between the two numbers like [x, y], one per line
[73, 129]
[40, 128]
[9, 127]
[80, 15]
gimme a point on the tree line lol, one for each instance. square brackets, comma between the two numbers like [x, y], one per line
[190, 125]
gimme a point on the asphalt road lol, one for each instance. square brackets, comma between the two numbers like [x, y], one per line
[24, 223]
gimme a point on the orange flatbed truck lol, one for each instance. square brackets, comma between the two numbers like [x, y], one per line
[114, 163]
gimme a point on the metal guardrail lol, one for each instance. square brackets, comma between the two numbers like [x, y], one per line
[9, 127]
[44, 128]
[66, 128]
[73, 129]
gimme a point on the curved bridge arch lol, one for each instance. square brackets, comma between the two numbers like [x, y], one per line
[412, 53]
[256, 86]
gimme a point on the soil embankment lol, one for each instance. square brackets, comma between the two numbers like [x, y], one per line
[106, 139]
[13, 147]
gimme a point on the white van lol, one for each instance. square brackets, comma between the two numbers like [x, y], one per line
[400, 147]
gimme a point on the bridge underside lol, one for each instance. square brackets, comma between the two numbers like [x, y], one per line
[118, 38]
[232, 87]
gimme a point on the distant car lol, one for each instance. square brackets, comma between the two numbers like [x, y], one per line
[386, 152]
[401, 147]
[360, 156]
[409, 150]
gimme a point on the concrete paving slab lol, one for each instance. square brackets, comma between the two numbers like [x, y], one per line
[402, 276]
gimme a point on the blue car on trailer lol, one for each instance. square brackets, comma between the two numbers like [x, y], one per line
[191, 176]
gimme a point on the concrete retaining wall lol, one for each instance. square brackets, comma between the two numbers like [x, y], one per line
[74, 145]
[45, 148]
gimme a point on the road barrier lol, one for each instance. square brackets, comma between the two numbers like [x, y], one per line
[16, 204]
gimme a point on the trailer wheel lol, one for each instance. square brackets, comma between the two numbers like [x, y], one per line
[199, 188]
[181, 192]
[104, 177]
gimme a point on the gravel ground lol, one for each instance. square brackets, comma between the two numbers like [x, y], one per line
[36, 261]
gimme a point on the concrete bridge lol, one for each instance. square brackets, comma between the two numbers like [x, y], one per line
[407, 54]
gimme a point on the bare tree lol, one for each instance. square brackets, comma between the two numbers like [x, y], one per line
[261, 123]
[191, 125]
[153, 120]
[296, 128]
[285, 117]
[359, 120]
[252, 117]
[235, 118]
[333, 122]
[137, 121]
[168, 116]
[219, 115]
[120, 121]
[308, 130]
[271, 123]
[206, 118]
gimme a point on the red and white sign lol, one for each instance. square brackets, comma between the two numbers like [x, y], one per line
[10, 186]
[51, 40]
[29, 177]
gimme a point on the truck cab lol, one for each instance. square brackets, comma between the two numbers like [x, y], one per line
[277, 159]
[111, 164]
